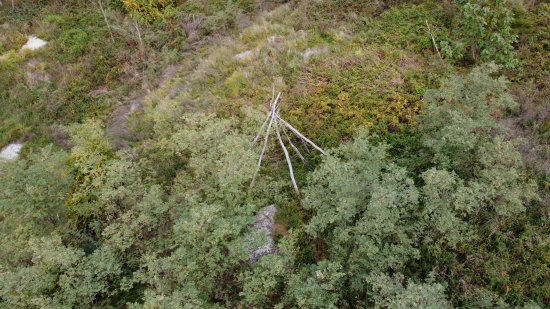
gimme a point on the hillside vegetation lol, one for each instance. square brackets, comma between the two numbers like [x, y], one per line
[138, 183]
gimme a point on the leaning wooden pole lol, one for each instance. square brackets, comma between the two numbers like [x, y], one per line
[266, 139]
[287, 156]
[300, 135]
[274, 119]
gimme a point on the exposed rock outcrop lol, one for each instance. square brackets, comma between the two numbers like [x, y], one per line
[263, 228]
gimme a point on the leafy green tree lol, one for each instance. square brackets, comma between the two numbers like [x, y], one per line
[391, 292]
[363, 210]
[32, 201]
[486, 30]
[477, 185]
[88, 156]
[460, 115]
[262, 284]
[37, 285]
[214, 168]
[318, 286]
[369, 217]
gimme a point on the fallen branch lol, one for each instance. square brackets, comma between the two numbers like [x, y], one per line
[104, 13]
[266, 119]
[288, 125]
[433, 41]
[287, 159]
[272, 117]
[293, 146]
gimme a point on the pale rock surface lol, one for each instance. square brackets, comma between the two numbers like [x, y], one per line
[244, 55]
[308, 53]
[34, 43]
[11, 152]
[263, 227]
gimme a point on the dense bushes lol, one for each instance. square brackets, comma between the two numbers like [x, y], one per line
[374, 233]
[485, 33]
[422, 200]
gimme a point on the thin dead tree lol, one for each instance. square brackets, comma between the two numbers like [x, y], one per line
[275, 120]
[190, 25]
[104, 13]
[138, 32]
[434, 43]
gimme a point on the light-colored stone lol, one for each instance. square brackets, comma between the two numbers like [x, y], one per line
[244, 55]
[263, 227]
[11, 152]
[308, 53]
[34, 43]
[275, 39]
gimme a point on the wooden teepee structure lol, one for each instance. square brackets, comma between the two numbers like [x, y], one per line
[274, 120]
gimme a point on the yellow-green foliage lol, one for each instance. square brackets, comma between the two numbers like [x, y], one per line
[234, 73]
[12, 125]
[331, 81]
[357, 87]
[430, 211]
[88, 157]
[149, 10]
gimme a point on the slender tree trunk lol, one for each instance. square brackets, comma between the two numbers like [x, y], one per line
[144, 57]
[104, 13]
[136, 26]
[435, 44]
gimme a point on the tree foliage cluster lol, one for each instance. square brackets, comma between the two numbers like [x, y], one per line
[422, 201]
[484, 33]
[99, 228]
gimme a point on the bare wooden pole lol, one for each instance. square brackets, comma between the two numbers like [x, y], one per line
[299, 138]
[261, 129]
[136, 26]
[433, 41]
[287, 159]
[293, 146]
[296, 132]
[272, 118]
[271, 109]
[104, 13]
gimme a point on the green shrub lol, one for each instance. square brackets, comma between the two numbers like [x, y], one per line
[73, 43]
[485, 33]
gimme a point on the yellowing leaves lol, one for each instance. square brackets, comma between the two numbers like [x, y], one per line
[343, 96]
[345, 91]
[149, 10]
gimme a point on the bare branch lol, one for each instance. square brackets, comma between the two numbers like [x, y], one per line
[267, 118]
[190, 26]
[293, 146]
[299, 138]
[276, 103]
[433, 41]
[288, 125]
[104, 13]
[136, 26]
[261, 129]
[287, 159]
[272, 117]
